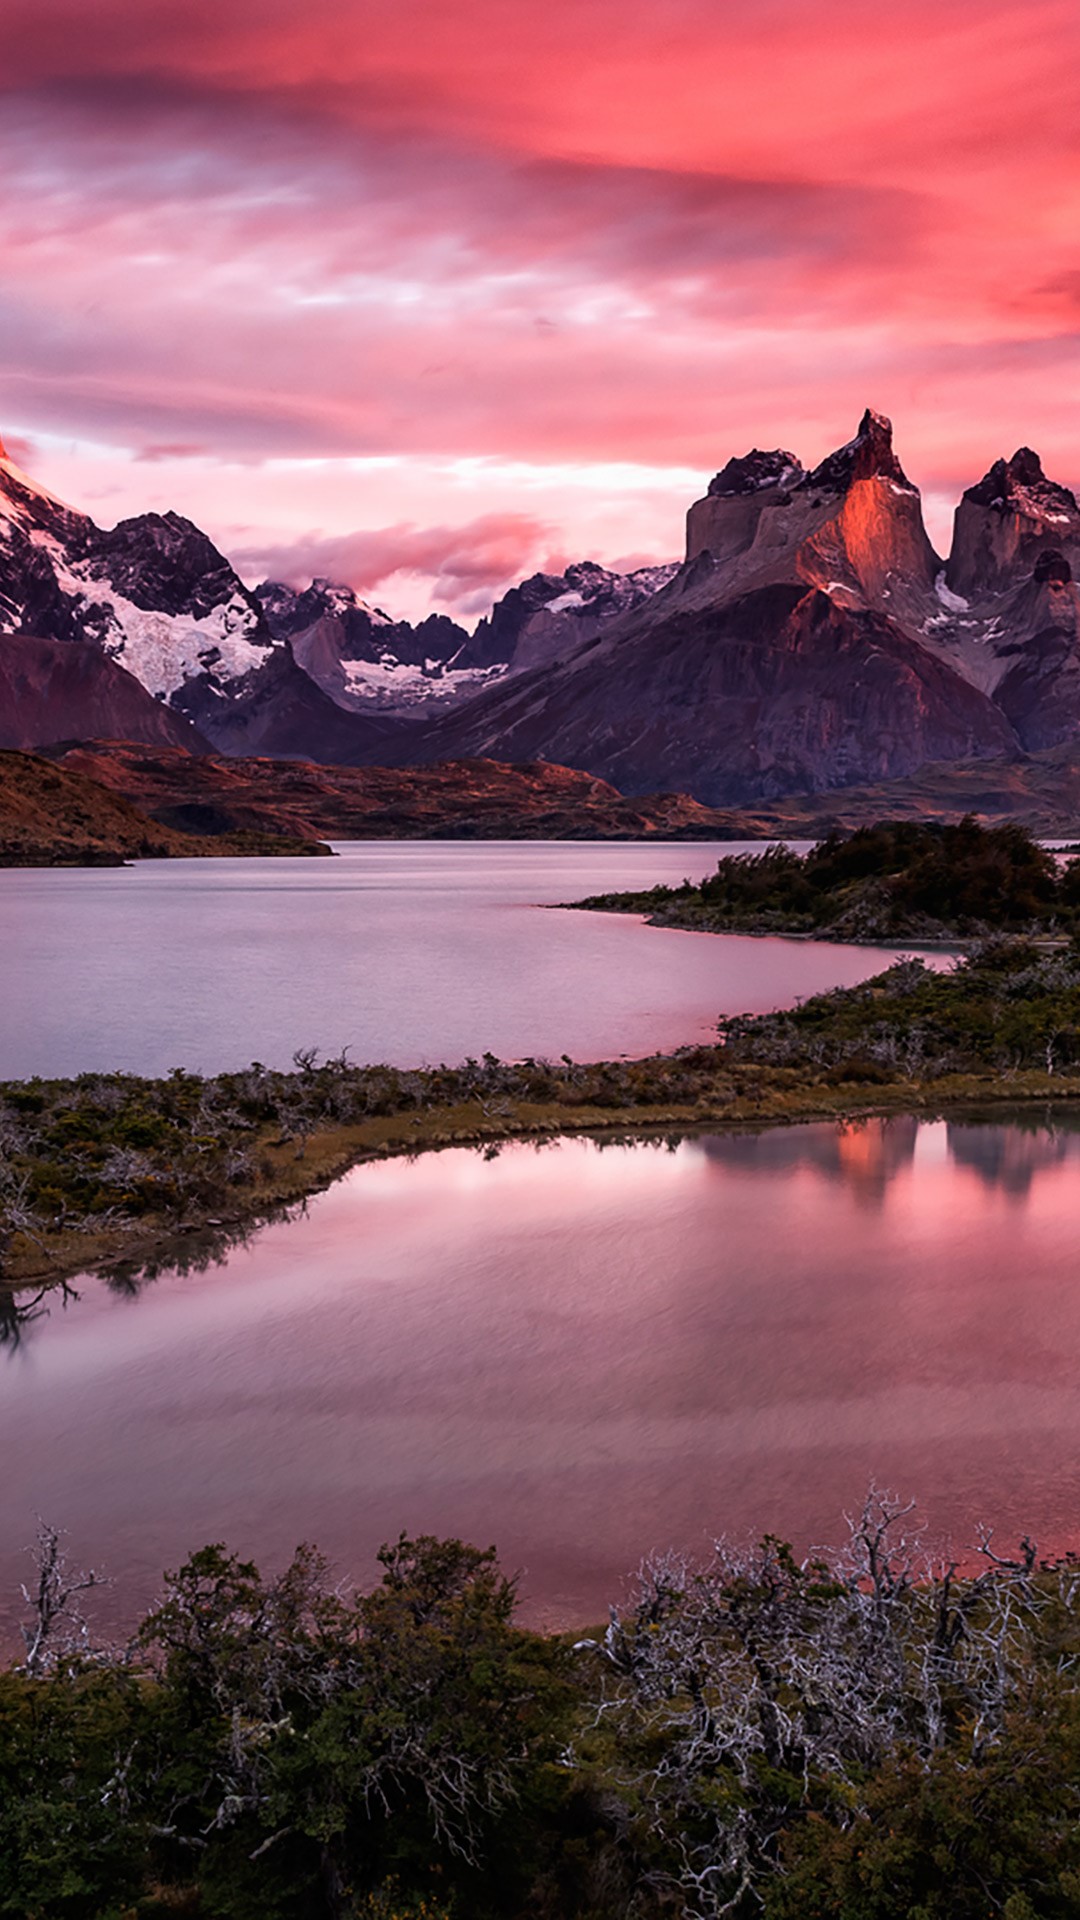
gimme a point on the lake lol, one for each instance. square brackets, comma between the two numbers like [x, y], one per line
[580, 1354]
[408, 952]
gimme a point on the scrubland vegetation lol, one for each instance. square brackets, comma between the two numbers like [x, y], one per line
[864, 1733]
[898, 880]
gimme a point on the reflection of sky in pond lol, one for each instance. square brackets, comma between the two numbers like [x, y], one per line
[581, 1354]
[400, 951]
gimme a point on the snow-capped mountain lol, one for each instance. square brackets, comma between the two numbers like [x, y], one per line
[275, 670]
[363, 659]
[810, 639]
[153, 594]
[551, 614]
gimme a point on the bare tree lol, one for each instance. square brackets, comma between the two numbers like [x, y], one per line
[56, 1628]
[758, 1668]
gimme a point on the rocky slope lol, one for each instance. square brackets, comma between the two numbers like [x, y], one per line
[782, 690]
[472, 799]
[51, 690]
[812, 640]
[552, 614]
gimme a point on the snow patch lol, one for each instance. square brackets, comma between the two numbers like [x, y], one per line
[955, 602]
[163, 650]
[395, 683]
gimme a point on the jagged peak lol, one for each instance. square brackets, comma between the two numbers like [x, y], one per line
[755, 471]
[869, 456]
[21, 491]
[1019, 485]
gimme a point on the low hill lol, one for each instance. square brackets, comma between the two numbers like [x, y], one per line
[462, 799]
[1039, 791]
[56, 816]
[466, 799]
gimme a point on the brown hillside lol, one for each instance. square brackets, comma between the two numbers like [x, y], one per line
[462, 799]
[57, 816]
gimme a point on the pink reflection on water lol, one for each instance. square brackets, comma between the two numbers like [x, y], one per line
[581, 1355]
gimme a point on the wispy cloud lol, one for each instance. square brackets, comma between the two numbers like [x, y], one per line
[616, 230]
[465, 566]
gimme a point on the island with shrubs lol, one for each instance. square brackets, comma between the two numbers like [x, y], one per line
[924, 882]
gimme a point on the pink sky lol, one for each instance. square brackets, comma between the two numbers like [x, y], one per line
[427, 293]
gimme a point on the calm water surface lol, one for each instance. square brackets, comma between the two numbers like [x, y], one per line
[579, 1354]
[407, 952]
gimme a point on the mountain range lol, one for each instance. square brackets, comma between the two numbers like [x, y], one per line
[811, 639]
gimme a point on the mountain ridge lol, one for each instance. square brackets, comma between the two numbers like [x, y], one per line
[810, 639]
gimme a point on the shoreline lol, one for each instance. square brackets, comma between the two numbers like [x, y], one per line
[939, 942]
[757, 1097]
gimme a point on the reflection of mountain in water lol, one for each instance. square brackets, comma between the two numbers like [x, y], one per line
[1010, 1157]
[863, 1154]
[866, 1155]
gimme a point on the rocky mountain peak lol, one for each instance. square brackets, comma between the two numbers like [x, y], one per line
[1019, 485]
[869, 456]
[852, 525]
[752, 472]
[1008, 524]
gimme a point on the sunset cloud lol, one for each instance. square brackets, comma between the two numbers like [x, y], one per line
[464, 567]
[237, 235]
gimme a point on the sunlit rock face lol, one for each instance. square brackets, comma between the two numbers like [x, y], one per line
[852, 526]
[805, 644]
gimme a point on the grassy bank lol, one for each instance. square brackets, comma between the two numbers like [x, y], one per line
[112, 1168]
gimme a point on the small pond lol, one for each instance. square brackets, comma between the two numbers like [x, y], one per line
[580, 1352]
